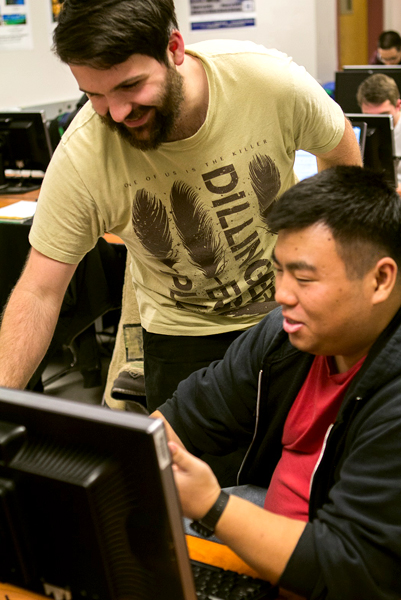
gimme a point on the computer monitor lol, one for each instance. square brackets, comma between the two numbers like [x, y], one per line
[25, 151]
[305, 163]
[360, 129]
[348, 81]
[379, 152]
[88, 504]
[373, 68]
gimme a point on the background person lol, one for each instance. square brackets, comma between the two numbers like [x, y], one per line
[174, 155]
[379, 95]
[315, 390]
[388, 49]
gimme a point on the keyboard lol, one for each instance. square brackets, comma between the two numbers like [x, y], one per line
[213, 583]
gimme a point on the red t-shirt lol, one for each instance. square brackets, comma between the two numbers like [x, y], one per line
[314, 410]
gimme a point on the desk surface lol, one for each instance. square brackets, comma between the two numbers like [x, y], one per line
[216, 554]
[10, 592]
[5, 200]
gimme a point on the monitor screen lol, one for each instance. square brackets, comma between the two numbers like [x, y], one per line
[360, 129]
[379, 152]
[25, 151]
[348, 81]
[88, 504]
[305, 163]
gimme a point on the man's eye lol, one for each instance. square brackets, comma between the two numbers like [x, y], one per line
[129, 86]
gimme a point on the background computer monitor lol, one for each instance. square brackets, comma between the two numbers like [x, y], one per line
[88, 504]
[360, 129]
[348, 81]
[379, 152]
[24, 148]
[305, 163]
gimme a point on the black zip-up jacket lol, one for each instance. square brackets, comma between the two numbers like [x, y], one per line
[351, 546]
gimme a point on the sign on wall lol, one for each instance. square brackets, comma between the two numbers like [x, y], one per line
[221, 14]
[15, 25]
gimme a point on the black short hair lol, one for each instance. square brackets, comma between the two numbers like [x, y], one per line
[361, 210]
[389, 39]
[104, 33]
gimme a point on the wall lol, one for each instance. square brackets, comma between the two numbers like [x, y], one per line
[392, 15]
[35, 77]
[303, 29]
[326, 43]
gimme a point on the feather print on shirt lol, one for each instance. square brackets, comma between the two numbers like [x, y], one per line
[150, 223]
[265, 180]
[195, 228]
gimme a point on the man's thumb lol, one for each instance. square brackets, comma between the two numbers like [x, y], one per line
[178, 454]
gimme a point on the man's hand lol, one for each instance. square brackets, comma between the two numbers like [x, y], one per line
[197, 486]
[262, 539]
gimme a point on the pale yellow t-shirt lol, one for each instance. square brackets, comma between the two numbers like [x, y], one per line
[192, 212]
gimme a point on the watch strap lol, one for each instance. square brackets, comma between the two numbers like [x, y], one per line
[207, 524]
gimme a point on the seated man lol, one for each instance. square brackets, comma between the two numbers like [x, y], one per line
[379, 95]
[315, 389]
[388, 49]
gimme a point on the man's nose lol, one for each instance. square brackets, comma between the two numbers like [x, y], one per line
[285, 295]
[119, 111]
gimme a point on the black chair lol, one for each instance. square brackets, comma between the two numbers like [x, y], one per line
[95, 289]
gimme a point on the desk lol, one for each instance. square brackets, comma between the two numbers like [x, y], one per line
[217, 554]
[11, 198]
[6, 200]
[14, 234]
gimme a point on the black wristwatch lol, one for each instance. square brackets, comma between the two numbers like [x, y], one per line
[206, 526]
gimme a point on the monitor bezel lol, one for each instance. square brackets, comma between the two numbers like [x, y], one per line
[362, 141]
[371, 67]
[373, 121]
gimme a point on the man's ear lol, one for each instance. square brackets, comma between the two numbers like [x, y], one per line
[176, 47]
[385, 278]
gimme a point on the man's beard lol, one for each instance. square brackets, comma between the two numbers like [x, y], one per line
[161, 123]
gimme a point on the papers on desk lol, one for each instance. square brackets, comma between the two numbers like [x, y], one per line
[19, 212]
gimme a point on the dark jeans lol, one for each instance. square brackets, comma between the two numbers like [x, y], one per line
[168, 359]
